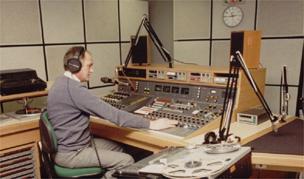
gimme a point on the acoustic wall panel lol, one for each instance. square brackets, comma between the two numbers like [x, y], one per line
[20, 23]
[101, 19]
[62, 21]
[23, 57]
[220, 54]
[281, 18]
[125, 47]
[278, 52]
[54, 56]
[105, 58]
[196, 52]
[191, 19]
[131, 13]
[161, 18]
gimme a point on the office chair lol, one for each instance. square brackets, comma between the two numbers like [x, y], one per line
[49, 149]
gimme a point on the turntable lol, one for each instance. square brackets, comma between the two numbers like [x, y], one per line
[27, 109]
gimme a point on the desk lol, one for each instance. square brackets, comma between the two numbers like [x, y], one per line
[21, 135]
[24, 133]
[155, 142]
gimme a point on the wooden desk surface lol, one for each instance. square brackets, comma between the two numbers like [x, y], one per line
[154, 142]
[146, 139]
[16, 125]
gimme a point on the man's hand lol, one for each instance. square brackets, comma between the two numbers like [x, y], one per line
[162, 123]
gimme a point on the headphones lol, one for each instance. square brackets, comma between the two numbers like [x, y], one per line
[74, 64]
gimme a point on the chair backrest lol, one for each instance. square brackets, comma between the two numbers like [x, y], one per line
[47, 134]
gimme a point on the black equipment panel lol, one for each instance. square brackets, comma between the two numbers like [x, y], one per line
[19, 81]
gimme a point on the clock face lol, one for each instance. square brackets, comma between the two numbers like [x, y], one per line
[232, 16]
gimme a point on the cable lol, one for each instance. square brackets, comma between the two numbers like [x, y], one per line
[179, 61]
[94, 146]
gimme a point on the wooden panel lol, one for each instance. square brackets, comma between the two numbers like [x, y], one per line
[19, 126]
[21, 134]
[246, 97]
[278, 162]
[31, 150]
[249, 44]
[19, 138]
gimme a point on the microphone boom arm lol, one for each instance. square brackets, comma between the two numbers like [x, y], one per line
[156, 41]
[237, 63]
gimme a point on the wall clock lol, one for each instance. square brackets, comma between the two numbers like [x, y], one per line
[232, 16]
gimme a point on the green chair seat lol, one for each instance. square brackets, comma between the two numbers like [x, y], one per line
[75, 172]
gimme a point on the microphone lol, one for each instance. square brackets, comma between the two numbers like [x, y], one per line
[106, 80]
[113, 81]
[120, 82]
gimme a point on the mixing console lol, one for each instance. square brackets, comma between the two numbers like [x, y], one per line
[193, 106]
[193, 95]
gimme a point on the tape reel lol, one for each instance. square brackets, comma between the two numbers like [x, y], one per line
[193, 168]
[222, 148]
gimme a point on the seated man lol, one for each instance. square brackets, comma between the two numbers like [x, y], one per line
[70, 105]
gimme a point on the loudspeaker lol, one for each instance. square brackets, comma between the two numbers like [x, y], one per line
[249, 44]
[74, 64]
[141, 54]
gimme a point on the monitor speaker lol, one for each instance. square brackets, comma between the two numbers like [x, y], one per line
[249, 44]
[141, 54]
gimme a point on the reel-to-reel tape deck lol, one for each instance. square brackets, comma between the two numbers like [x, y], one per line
[191, 162]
